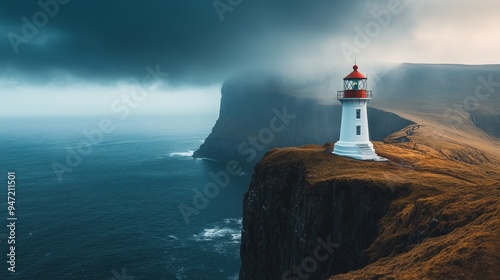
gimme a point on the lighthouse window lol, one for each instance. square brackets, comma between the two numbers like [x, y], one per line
[358, 114]
[358, 130]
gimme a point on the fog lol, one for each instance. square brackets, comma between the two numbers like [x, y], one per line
[77, 57]
[87, 100]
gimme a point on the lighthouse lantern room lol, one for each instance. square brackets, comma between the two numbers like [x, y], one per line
[354, 139]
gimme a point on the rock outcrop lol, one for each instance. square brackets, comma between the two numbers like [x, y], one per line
[286, 219]
[422, 215]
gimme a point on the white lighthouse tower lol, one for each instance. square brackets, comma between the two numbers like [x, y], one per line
[354, 139]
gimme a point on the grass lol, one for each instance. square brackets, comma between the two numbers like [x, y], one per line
[447, 227]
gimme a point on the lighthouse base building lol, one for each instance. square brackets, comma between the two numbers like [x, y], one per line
[354, 134]
[354, 139]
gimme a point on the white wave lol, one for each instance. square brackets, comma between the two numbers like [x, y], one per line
[213, 233]
[173, 237]
[233, 221]
[236, 236]
[182, 154]
[222, 237]
[229, 229]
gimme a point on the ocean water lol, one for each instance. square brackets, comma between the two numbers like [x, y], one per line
[116, 215]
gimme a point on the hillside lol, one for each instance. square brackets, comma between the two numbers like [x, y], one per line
[458, 96]
[431, 212]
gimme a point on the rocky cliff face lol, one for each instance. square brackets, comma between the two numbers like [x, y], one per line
[422, 215]
[294, 230]
[259, 114]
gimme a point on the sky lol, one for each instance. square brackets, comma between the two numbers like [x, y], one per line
[171, 57]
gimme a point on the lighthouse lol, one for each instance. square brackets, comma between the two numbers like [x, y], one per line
[354, 139]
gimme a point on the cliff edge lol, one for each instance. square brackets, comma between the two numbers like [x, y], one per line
[431, 212]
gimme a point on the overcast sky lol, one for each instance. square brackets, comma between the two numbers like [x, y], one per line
[72, 56]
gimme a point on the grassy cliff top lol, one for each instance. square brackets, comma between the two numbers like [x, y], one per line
[451, 182]
[415, 154]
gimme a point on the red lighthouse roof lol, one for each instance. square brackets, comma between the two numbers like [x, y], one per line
[355, 74]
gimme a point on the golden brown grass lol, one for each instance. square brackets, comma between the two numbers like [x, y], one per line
[454, 188]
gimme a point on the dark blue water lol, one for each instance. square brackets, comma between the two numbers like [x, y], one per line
[116, 215]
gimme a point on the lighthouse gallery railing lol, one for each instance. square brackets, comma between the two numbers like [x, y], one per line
[357, 94]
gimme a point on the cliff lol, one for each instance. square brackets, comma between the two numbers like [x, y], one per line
[431, 212]
[258, 113]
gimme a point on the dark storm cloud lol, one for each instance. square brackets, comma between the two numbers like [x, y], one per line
[105, 41]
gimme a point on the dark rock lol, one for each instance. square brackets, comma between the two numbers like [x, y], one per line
[285, 221]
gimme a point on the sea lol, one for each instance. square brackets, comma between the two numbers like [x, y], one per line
[114, 213]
